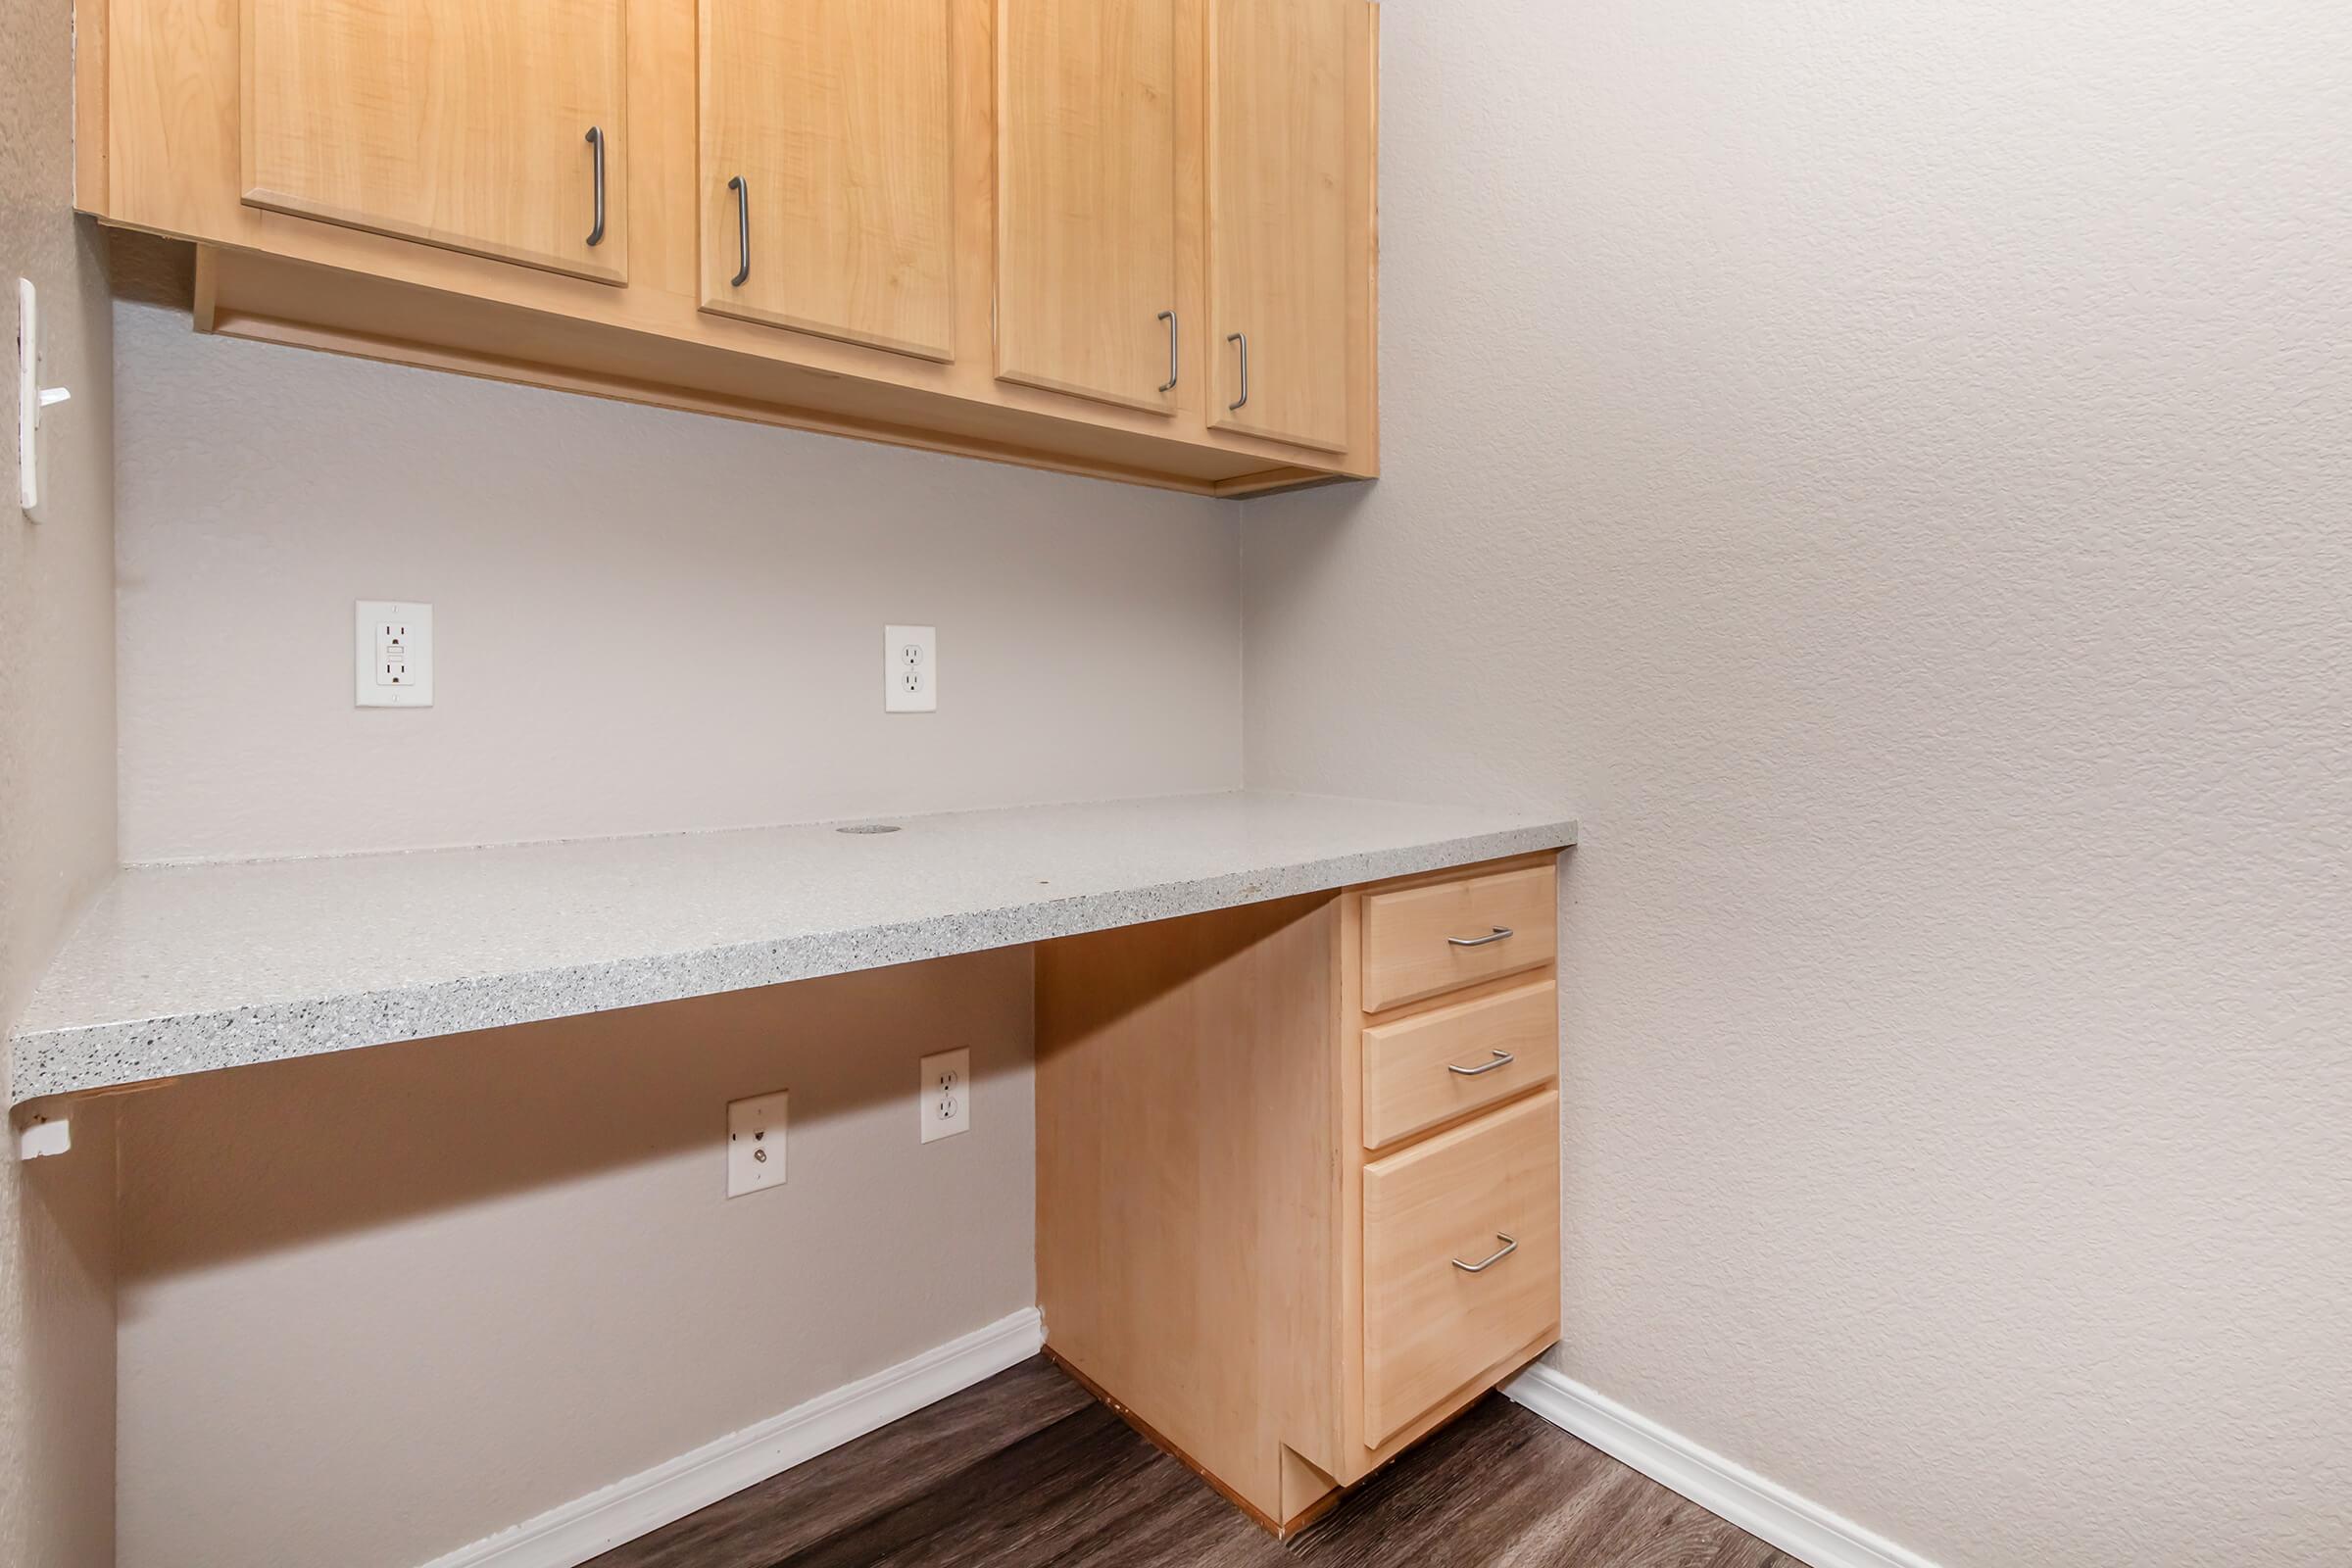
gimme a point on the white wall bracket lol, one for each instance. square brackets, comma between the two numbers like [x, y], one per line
[42, 1136]
[31, 399]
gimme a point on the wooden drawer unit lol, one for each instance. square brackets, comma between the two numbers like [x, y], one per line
[1220, 1255]
[1438, 1065]
[1461, 1257]
[1421, 941]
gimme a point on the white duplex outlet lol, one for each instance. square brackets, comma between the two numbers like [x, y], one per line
[755, 1142]
[910, 669]
[947, 1094]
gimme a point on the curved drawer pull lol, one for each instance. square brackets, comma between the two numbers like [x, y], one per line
[1502, 1058]
[1175, 363]
[1501, 932]
[743, 231]
[595, 145]
[1484, 1264]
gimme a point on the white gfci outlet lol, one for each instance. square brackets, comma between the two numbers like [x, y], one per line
[393, 642]
[755, 1142]
[947, 1094]
[910, 669]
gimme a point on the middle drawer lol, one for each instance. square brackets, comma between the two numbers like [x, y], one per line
[1446, 1062]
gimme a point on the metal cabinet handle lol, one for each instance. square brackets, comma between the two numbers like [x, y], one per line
[1501, 932]
[596, 141]
[1484, 1264]
[1242, 338]
[743, 230]
[1502, 1058]
[1174, 363]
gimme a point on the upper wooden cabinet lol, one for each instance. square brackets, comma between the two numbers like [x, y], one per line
[1038, 232]
[1085, 198]
[1278, 232]
[490, 128]
[828, 168]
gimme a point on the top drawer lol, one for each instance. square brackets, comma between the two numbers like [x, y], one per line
[1422, 941]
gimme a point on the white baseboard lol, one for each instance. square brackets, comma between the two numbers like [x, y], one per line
[567, 1536]
[1772, 1512]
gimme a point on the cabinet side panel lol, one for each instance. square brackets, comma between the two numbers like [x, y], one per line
[91, 189]
[1187, 1188]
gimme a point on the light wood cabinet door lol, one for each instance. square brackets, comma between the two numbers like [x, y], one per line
[828, 143]
[1086, 197]
[1278, 221]
[494, 129]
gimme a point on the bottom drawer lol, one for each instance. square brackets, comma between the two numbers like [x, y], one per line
[1461, 1257]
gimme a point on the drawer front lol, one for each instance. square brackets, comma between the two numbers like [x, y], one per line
[1449, 1062]
[1431, 1324]
[1422, 941]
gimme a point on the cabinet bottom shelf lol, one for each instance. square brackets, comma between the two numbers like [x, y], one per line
[273, 299]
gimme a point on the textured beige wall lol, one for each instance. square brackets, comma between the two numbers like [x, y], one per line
[644, 620]
[379, 1305]
[1890, 469]
[57, 816]
[56, 1352]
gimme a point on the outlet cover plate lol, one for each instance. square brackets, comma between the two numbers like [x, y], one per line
[393, 644]
[947, 1094]
[755, 1142]
[910, 669]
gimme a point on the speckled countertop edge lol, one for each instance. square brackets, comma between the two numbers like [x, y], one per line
[78, 1058]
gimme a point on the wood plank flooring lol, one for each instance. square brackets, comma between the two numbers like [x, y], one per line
[1026, 1471]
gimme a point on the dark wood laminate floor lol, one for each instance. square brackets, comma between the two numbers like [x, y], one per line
[1026, 1471]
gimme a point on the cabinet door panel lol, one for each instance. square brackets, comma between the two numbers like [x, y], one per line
[453, 122]
[838, 117]
[1086, 196]
[1278, 240]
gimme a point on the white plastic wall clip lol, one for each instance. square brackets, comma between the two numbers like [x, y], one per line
[31, 399]
[43, 1136]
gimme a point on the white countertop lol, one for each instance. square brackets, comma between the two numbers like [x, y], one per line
[182, 969]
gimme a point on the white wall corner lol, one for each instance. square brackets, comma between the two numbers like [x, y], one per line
[1797, 1526]
[570, 1534]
